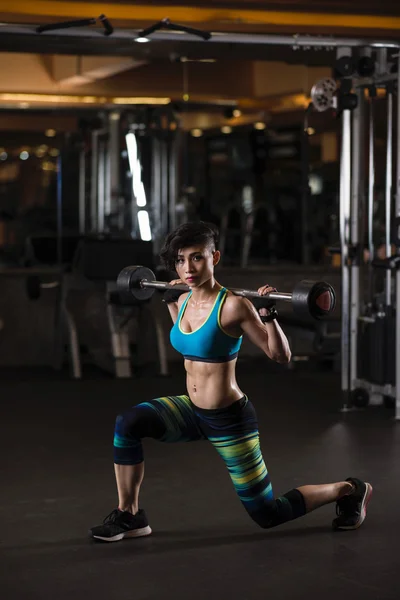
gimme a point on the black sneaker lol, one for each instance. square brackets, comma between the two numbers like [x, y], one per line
[351, 510]
[120, 524]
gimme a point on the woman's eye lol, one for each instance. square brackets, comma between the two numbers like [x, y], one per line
[198, 257]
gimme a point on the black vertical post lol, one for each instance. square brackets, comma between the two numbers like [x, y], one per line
[59, 211]
[305, 190]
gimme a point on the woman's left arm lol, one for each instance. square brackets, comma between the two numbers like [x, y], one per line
[269, 337]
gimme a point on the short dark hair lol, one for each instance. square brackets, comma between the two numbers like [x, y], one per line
[188, 234]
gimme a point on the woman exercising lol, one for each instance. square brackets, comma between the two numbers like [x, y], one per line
[209, 323]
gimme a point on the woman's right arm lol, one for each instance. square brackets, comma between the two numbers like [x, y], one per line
[173, 299]
[173, 310]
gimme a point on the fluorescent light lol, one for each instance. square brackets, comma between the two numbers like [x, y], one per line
[142, 40]
[144, 225]
[136, 169]
[141, 195]
[131, 145]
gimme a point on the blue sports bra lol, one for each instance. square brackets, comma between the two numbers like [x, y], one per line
[208, 343]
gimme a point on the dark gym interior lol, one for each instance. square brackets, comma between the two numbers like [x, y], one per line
[279, 124]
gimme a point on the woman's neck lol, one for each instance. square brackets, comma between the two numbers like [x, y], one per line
[205, 292]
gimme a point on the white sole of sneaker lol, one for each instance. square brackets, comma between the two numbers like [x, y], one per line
[365, 501]
[135, 533]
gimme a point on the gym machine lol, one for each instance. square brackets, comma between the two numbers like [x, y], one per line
[370, 350]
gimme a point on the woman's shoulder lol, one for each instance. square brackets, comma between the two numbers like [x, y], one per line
[182, 298]
[234, 303]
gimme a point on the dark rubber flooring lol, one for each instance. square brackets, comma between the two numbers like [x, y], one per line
[57, 481]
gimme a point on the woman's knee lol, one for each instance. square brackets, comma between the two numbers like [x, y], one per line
[280, 510]
[126, 422]
[138, 422]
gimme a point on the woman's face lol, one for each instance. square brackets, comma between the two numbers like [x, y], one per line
[195, 265]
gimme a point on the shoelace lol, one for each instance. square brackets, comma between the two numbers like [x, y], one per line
[111, 518]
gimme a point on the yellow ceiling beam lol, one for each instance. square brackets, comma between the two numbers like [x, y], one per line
[32, 100]
[287, 102]
[199, 15]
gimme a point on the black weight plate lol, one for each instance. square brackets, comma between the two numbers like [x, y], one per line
[313, 299]
[129, 281]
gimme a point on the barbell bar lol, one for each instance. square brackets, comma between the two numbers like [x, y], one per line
[314, 299]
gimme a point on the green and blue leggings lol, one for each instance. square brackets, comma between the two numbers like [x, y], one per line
[233, 431]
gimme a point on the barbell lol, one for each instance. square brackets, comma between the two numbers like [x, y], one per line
[314, 299]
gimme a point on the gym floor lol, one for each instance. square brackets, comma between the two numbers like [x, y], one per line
[57, 481]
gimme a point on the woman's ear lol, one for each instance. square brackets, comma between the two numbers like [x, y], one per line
[216, 257]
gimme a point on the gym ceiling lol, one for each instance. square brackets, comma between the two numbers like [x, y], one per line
[87, 67]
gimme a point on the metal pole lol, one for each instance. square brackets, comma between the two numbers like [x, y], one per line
[164, 187]
[173, 178]
[296, 41]
[114, 152]
[371, 190]
[164, 285]
[345, 198]
[59, 211]
[101, 188]
[94, 182]
[356, 209]
[388, 194]
[107, 187]
[305, 192]
[82, 191]
[156, 193]
[398, 271]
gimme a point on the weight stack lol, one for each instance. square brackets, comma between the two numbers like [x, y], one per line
[391, 348]
[372, 350]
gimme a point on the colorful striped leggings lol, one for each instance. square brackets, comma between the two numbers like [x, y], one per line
[233, 431]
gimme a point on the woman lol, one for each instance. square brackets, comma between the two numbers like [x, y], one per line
[209, 322]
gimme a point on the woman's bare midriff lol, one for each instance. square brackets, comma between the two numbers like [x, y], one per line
[212, 385]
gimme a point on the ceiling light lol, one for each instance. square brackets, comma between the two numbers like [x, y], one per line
[50, 133]
[134, 100]
[237, 113]
[196, 133]
[185, 59]
[3, 156]
[24, 155]
[141, 40]
[259, 126]
[226, 129]
[310, 130]
[54, 152]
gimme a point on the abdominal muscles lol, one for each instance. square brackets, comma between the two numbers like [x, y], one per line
[212, 385]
